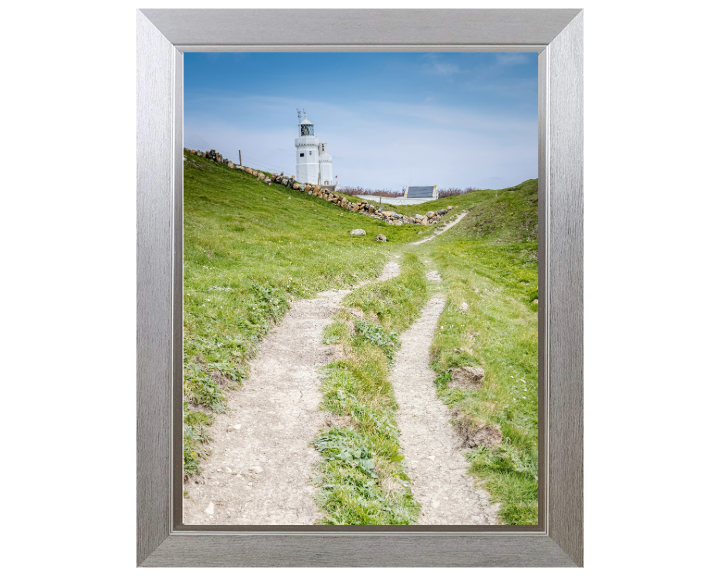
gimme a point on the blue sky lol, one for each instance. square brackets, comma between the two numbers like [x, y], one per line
[390, 119]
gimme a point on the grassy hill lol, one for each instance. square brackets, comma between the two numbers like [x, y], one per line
[490, 271]
[252, 248]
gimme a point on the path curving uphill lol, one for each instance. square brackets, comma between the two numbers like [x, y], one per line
[260, 469]
[436, 465]
[439, 231]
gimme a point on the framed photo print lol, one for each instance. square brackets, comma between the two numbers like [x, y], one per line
[360, 287]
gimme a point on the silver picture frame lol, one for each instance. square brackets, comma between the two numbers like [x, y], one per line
[162, 38]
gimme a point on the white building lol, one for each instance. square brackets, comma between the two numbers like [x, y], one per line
[313, 164]
[326, 171]
[429, 192]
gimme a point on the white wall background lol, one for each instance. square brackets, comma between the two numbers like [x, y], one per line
[68, 238]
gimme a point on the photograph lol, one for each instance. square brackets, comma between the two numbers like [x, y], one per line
[360, 289]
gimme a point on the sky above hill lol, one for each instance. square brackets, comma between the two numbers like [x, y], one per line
[389, 119]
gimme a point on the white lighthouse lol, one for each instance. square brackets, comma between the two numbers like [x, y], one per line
[313, 164]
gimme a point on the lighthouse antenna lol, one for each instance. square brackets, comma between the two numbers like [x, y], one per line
[299, 115]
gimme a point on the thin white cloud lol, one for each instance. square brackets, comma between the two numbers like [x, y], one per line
[511, 58]
[434, 64]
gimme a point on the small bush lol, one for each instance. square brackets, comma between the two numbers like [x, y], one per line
[388, 341]
[345, 445]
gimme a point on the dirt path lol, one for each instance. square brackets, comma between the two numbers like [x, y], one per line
[260, 469]
[431, 447]
[439, 231]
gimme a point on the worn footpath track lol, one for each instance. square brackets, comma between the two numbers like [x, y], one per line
[445, 228]
[436, 465]
[260, 469]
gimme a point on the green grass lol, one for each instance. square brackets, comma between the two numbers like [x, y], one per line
[489, 262]
[249, 249]
[362, 477]
[195, 439]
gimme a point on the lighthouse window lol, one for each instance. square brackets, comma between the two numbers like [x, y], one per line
[309, 153]
[302, 154]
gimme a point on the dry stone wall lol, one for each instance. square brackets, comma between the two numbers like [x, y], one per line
[363, 207]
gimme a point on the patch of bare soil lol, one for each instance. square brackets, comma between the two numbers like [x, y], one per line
[432, 448]
[474, 434]
[259, 472]
[445, 228]
[391, 270]
[433, 276]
